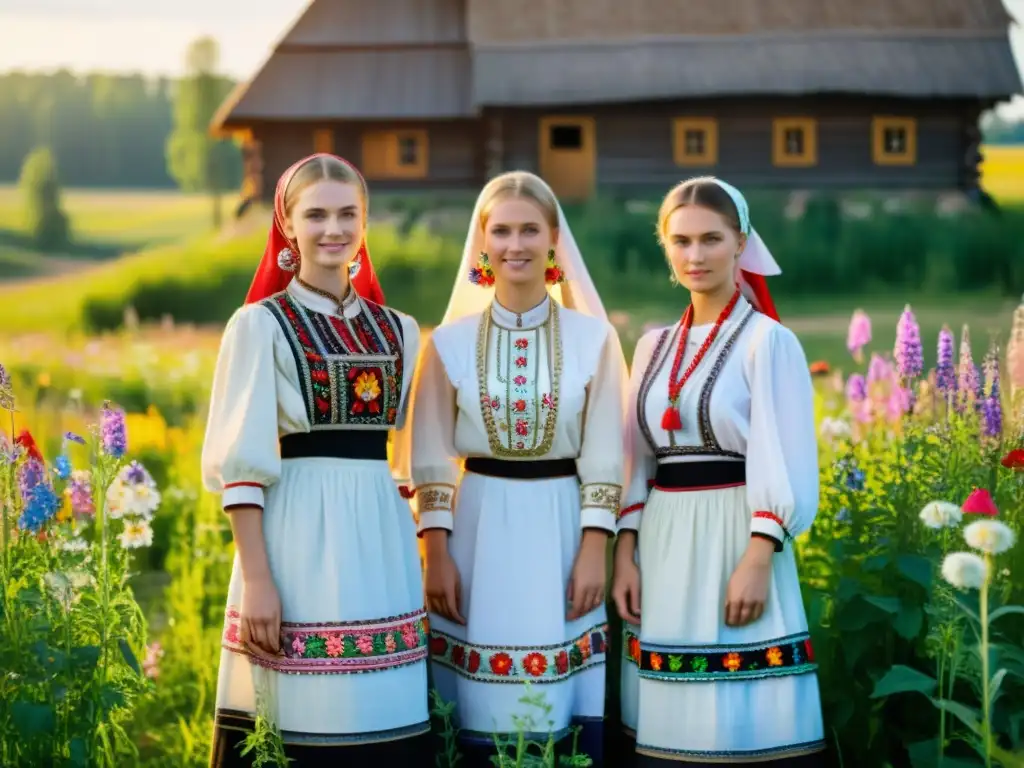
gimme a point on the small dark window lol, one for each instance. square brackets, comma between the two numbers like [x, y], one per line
[794, 141]
[566, 137]
[408, 150]
[895, 141]
[695, 141]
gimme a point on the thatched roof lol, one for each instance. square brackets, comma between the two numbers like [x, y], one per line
[497, 22]
[935, 66]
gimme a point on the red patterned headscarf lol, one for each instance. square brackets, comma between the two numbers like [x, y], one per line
[271, 279]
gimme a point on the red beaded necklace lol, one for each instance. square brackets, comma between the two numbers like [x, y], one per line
[671, 421]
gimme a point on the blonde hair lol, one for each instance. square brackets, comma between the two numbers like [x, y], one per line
[320, 169]
[520, 185]
[703, 191]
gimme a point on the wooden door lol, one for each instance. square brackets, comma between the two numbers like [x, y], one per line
[568, 152]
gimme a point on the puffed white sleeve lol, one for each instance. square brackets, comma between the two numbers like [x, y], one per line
[435, 462]
[401, 438]
[601, 462]
[782, 448]
[642, 461]
[240, 456]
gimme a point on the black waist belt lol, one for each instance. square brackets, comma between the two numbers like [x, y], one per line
[336, 444]
[694, 475]
[521, 470]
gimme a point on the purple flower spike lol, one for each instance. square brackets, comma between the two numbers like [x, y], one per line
[859, 334]
[879, 369]
[856, 388]
[71, 437]
[30, 474]
[968, 380]
[992, 405]
[945, 376]
[907, 351]
[113, 432]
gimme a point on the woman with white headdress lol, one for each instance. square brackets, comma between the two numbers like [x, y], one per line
[719, 666]
[517, 460]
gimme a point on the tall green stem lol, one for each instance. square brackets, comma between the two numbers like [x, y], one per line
[986, 727]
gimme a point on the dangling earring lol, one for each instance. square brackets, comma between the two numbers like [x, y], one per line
[553, 275]
[482, 274]
[287, 259]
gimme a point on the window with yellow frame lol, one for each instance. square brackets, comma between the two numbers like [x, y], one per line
[695, 141]
[894, 140]
[794, 142]
[395, 154]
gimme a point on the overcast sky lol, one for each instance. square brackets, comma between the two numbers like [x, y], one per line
[151, 35]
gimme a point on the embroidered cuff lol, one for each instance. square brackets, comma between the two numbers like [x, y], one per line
[441, 519]
[597, 517]
[769, 524]
[629, 517]
[601, 496]
[242, 495]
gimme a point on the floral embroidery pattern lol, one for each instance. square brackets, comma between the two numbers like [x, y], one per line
[336, 648]
[791, 655]
[601, 495]
[351, 370]
[435, 497]
[537, 664]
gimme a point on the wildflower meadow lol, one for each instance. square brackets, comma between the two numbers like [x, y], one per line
[115, 562]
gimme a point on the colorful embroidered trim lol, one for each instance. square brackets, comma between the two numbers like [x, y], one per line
[342, 647]
[630, 510]
[774, 518]
[435, 497]
[601, 495]
[243, 485]
[512, 664]
[741, 756]
[790, 655]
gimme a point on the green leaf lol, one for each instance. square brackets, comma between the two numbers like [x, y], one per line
[916, 568]
[887, 604]
[902, 679]
[85, 656]
[966, 715]
[877, 563]
[129, 656]
[111, 698]
[33, 719]
[1006, 610]
[908, 622]
[994, 685]
[79, 757]
[923, 754]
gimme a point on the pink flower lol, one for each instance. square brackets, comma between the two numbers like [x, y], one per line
[410, 636]
[299, 645]
[334, 646]
[389, 643]
[151, 664]
[519, 380]
[365, 644]
[859, 334]
[980, 503]
[231, 633]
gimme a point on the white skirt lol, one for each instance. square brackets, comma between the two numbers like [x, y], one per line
[699, 690]
[341, 543]
[514, 543]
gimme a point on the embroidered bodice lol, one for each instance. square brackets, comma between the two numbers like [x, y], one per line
[750, 399]
[545, 384]
[298, 362]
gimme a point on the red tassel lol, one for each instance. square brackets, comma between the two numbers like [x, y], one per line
[670, 420]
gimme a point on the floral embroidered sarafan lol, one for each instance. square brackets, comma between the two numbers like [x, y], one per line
[350, 368]
[790, 655]
[337, 648]
[537, 664]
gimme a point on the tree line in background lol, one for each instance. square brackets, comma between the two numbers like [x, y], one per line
[117, 130]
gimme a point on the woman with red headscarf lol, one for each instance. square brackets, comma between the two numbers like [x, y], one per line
[312, 378]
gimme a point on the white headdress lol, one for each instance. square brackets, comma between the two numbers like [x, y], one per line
[577, 292]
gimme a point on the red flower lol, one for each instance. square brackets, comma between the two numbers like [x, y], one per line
[980, 503]
[819, 368]
[552, 274]
[474, 662]
[1014, 460]
[28, 443]
[519, 405]
[522, 343]
[320, 376]
[438, 645]
[458, 656]
[519, 380]
[562, 662]
[522, 428]
[501, 663]
[809, 649]
[324, 406]
[520, 362]
[535, 664]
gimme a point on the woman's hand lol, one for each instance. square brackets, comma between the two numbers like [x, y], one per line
[441, 579]
[261, 614]
[747, 592]
[588, 579]
[626, 579]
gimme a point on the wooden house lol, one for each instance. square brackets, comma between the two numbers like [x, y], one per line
[631, 95]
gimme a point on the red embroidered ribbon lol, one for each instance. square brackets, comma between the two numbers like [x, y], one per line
[671, 421]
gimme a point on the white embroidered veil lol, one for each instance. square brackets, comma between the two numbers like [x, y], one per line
[577, 292]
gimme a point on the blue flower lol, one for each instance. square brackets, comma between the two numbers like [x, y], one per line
[41, 504]
[62, 467]
[71, 437]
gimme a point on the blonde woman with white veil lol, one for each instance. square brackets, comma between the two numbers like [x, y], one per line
[518, 466]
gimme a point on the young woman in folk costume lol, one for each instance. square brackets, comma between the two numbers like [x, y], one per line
[325, 632]
[718, 667]
[529, 393]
